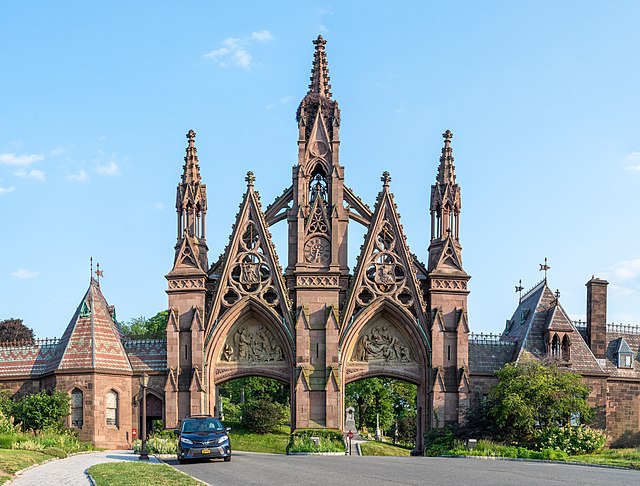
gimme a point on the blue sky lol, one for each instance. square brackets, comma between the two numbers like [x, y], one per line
[96, 97]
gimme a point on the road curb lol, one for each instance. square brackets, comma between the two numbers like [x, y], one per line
[548, 461]
[22, 471]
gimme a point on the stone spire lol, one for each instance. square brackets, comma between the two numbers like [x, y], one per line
[191, 168]
[320, 70]
[446, 169]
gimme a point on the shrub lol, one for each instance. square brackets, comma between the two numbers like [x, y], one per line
[42, 410]
[232, 411]
[28, 445]
[329, 441]
[572, 439]
[263, 416]
[157, 445]
[438, 441]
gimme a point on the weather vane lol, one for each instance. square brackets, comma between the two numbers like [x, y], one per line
[99, 273]
[519, 288]
[543, 268]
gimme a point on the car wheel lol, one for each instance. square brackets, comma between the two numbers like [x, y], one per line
[227, 459]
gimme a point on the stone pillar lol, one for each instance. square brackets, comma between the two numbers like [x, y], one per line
[597, 316]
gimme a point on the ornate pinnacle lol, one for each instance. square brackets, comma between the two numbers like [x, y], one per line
[250, 178]
[446, 174]
[191, 168]
[320, 70]
[386, 178]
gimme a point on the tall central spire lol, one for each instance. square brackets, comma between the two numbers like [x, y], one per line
[320, 70]
[191, 168]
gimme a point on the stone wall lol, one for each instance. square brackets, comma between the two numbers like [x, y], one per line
[623, 413]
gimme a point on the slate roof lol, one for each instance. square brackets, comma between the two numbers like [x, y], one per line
[489, 355]
[147, 354]
[92, 340]
[615, 335]
[538, 312]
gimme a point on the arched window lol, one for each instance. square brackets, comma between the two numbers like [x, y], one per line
[112, 408]
[555, 346]
[76, 408]
[566, 348]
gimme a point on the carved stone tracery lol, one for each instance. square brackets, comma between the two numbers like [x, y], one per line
[385, 273]
[251, 343]
[251, 273]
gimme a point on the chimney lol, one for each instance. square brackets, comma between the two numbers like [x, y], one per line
[597, 316]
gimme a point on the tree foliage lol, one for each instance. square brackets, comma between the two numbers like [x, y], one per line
[531, 397]
[15, 330]
[143, 328]
[255, 388]
[263, 416]
[390, 399]
[40, 411]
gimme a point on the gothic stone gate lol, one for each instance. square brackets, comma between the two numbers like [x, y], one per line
[315, 324]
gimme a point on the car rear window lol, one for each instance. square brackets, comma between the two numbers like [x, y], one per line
[202, 425]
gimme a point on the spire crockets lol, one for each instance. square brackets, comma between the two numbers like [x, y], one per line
[446, 174]
[320, 70]
[445, 196]
[191, 168]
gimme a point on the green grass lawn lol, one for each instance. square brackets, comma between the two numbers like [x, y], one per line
[12, 461]
[612, 457]
[130, 473]
[373, 448]
[276, 443]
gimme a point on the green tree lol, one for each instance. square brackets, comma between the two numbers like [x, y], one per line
[15, 330]
[530, 397]
[371, 397]
[42, 410]
[143, 328]
[255, 388]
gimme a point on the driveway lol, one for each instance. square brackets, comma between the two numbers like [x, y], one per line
[247, 468]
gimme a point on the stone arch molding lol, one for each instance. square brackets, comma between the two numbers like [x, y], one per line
[249, 340]
[384, 340]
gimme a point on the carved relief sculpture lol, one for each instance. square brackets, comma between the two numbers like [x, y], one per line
[251, 343]
[381, 344]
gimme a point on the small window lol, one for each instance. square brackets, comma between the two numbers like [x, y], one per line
[112, 408]
[76, 408]
[555, 346]
[566, 348]
[625, 360]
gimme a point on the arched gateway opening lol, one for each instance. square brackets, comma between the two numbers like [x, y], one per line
[249, 341]
[384, 343]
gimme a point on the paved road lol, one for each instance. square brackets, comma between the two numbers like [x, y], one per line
[248, 468]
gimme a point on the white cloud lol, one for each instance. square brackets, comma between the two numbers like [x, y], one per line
[58, 151]
[6, 190]
[633, 161]
[109, 169]
[34, 174]
[625, 270]
[234, 50]
[81, 176]
[23, 160]
[262, 36]
[23, 273]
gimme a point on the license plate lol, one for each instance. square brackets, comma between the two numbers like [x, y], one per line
[206, 451]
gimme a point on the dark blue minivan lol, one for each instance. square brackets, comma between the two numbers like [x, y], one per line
[202, 437]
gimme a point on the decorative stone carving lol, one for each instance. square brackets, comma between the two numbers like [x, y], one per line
[251, 343]
[317, 281]
[381, 344]
[317, 251]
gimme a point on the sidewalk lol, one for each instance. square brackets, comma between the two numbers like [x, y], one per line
[72, 470]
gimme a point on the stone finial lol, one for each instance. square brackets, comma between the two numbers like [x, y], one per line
[320, 70]
[250, 179]
[191, 168]
[446, 169]
[386, 178]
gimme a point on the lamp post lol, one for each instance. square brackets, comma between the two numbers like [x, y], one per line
[144, 381]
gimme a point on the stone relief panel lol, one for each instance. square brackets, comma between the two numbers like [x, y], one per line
[251, 342]
[382, 343]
